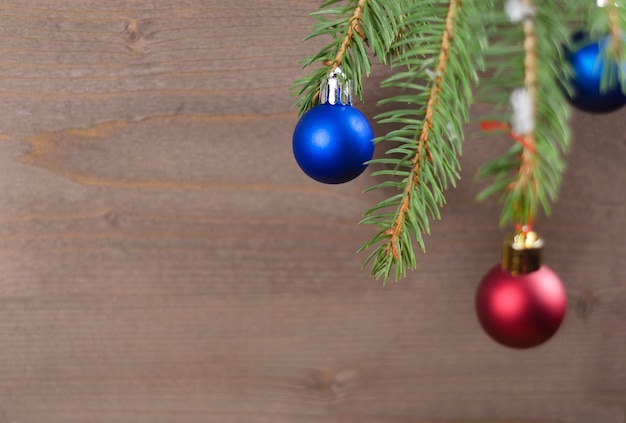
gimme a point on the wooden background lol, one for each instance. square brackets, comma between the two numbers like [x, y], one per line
[163, 259]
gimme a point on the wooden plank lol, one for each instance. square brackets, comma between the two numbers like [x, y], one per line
[163, 259]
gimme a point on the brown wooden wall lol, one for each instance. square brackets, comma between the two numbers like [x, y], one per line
[163, 259]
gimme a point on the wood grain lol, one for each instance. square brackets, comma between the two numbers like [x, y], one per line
[163, 259]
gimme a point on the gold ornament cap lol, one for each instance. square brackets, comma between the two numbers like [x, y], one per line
[521, 252]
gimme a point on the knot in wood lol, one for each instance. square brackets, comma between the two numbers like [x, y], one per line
[133, 33]
[112, 218]
[585, 303]
[331, 384]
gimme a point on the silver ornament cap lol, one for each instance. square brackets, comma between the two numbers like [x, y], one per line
[336, 88]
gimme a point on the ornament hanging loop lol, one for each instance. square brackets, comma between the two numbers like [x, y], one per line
[336, 88]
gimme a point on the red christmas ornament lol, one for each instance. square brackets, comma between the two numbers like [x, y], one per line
[521, 303]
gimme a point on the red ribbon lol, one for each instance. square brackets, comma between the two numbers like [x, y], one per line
[494, 125]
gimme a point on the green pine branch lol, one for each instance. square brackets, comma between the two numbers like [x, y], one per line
[598, 22]
[434, 77]
[529, 55]
[616, 51]
[353, 28]
[436, 48]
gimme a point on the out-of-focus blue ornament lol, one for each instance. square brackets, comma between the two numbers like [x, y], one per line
[333, 141]
[588, 63]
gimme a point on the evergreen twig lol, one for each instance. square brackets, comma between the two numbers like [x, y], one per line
[393, 233]
[614, 29]
[529, 174]
[435, 48]
[616, 22]
[525, 185]
[354, 25]
[431, 114]
[350, 27]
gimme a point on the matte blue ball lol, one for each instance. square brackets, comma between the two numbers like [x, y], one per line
[588, 65]
[331, 143]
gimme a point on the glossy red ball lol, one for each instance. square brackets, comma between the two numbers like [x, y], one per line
[521, 311]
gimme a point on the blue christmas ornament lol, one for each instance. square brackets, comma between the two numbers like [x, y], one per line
[333, 140]
[588, 63]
